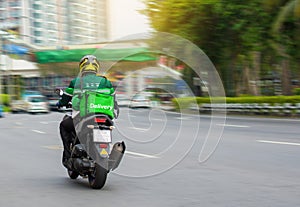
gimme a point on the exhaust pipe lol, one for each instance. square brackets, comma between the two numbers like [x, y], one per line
[116, 155]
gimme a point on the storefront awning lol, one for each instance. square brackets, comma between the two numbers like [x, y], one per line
[74, 55]
[14, 49]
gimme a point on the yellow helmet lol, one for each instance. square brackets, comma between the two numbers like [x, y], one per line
[89, 63]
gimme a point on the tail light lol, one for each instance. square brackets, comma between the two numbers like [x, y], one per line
[103, 146]
[100, 119]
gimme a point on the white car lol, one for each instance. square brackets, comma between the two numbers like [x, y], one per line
[36, 104]
[18, 106]
[122, 100]
[140, 101]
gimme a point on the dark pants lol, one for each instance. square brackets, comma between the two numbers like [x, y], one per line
[67, 132]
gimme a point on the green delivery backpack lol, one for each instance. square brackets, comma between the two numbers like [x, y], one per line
[95, 101]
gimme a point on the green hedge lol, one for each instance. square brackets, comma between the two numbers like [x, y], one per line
[184, 103]
[4, 99]
[296, 91]
[265, 99]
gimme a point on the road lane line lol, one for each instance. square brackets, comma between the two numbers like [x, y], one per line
[157, 119]
[37, 131]
[53, 147]
[140, 129]
[140, 154]
[276, 142]
[230, 125]
[59, 147]
[49, 122]
[183, 118]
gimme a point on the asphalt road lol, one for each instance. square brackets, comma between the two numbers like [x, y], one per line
[171, 160]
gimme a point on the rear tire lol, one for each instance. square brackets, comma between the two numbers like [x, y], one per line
[73, 175]
[97, 178]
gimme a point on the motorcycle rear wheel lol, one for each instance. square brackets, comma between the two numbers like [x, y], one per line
[97, 178]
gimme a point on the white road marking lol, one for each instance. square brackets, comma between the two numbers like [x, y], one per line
[157, 119]
[53, 147]
[59, 147]
[140, 154]
[140, 129]
[276, 142]
[48, 122]
[37, 131]
[230, 125]
[183, 118]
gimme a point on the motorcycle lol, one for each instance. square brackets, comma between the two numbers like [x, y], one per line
[92, 153]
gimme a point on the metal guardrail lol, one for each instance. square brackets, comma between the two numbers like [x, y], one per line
[255, 108]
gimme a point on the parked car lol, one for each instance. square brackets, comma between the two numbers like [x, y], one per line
[18, 106]
[122, 100]
[52, 104]
[140, 101]
[1, 111]
[52, 99]
[37, 104]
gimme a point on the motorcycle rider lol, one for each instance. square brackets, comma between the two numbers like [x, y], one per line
[88, 79]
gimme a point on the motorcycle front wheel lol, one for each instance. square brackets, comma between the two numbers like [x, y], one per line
[97, 178]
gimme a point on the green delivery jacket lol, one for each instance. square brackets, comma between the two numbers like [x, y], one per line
[86, 83]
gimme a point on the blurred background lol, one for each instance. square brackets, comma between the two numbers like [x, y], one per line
[253, 44]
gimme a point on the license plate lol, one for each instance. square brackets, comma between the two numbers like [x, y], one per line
[102, 135]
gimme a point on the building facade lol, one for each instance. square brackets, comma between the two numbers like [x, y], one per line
[56, 22]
